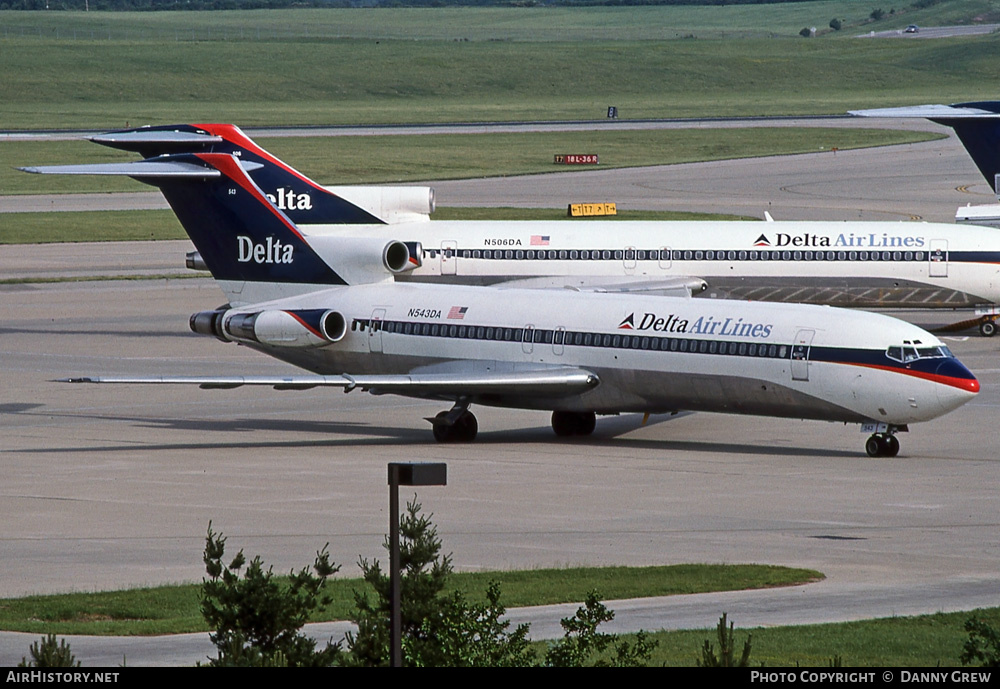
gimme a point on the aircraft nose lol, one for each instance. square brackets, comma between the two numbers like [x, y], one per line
[958, 385]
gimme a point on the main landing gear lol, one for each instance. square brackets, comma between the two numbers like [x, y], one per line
[450, 427]
[459, 425]
[882, 445]
[567, 423]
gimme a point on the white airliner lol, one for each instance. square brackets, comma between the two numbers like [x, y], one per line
[857, 264]
[331, 305]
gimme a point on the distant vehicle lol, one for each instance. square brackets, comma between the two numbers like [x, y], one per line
[912, 28]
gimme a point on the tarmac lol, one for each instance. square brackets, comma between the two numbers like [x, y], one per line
[109, 487]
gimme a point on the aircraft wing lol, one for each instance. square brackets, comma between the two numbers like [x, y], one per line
[929, 112]
[549, 382]
[681, 285]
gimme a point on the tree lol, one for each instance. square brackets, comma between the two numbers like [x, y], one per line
[583, 646]
[836, 24]
[474, 635]
[257, 619]
[49, 653]
[727, 648]
[983, 645]
[424, 573]
[438, 629]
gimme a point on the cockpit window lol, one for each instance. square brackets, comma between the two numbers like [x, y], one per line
[908, 353]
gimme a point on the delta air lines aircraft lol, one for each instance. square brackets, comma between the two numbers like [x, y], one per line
[330, 304]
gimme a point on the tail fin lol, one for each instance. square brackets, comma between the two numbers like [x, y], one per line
[304, 201]
[240, 235]
[250, 246]
[980, 134]
[977, 125]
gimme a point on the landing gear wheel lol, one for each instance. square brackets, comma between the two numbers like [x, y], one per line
[464, 429]
[988, 328]
[882, 445]
[567, 423]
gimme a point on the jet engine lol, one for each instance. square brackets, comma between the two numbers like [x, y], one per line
[362, 260]
[351, 254]
[275, 327]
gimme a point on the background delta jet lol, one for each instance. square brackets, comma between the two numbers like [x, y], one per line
[857, 264]
[330, 304]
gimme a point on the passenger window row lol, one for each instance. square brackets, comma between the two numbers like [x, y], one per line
[677, 255]
[576, 338]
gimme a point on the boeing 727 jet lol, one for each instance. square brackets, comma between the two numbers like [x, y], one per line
[330, 304]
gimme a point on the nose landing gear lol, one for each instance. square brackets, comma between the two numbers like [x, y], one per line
[567, 423]
[882, 445]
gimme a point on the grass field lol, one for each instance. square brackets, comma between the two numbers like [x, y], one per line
[521, 24]
[103, 70]
[175, 609]
[924, 641]
[364, 159]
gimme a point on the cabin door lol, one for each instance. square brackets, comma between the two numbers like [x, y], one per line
[629, 260]
[800, 354]
[449, 257]
[375, 331]
[938, 259]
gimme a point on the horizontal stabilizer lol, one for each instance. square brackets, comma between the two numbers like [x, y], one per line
[139, 140]
[140, 169]
[554, 382]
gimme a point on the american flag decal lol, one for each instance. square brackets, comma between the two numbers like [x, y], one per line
[457, 312]
[539, 240]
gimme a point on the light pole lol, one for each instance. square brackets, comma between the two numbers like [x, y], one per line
[404, 474]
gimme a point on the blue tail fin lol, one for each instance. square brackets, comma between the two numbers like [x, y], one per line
[302, 199]
[241, 235]
[980, 136]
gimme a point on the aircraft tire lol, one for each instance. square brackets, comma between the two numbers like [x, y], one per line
[874, 446]
[988, 328]
[588, 422]
[443, 433]
[891, 446]
[464, 430]
[568, 423]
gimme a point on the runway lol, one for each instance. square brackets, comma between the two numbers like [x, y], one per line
[107, 487]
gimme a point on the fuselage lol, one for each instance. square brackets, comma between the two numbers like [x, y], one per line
[652, 354]
[857, 264]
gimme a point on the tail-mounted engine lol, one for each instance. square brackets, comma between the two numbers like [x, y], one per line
[372, 254]
[276, 328]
